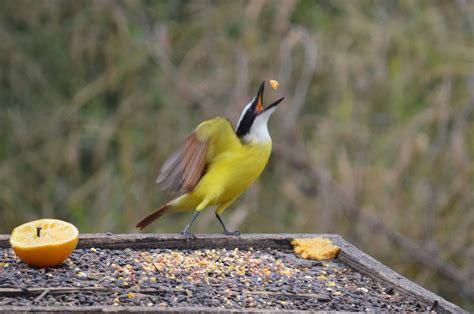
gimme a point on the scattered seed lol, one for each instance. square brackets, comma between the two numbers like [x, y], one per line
[218, 278]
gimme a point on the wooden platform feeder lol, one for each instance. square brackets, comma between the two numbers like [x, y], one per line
[214, 273]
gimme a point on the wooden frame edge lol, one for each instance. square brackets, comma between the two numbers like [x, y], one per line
[349, 254]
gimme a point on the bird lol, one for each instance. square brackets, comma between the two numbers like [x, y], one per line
[216, 164]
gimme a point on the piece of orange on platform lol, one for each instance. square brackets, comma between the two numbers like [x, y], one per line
[44, 242]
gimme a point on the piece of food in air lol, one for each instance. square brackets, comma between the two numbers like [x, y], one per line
[315, 248]
[274, 84]
[44, 242]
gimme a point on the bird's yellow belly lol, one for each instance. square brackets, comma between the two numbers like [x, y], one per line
[231, 174]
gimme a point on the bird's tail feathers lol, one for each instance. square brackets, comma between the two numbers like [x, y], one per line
[153, 216]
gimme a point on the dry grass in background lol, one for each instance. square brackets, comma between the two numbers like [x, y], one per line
[374, 140]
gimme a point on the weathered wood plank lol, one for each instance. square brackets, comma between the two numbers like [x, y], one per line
[65, 290]
[349, 254]
[370, 267]
[141, 309]
[177, 241]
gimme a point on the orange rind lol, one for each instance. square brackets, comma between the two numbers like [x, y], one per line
[44, 242]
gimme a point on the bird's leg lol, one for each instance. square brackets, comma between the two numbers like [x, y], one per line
[187, 234]
[227, 232]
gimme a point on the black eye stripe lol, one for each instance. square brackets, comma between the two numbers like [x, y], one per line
[245, 124]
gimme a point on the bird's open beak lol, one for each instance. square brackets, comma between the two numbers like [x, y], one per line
[274, 104]
[259, 108]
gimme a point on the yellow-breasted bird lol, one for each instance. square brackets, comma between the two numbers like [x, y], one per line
[216, 164]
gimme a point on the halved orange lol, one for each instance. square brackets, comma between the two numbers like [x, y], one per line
[44, 242]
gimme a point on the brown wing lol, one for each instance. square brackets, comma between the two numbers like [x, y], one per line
[182, 170]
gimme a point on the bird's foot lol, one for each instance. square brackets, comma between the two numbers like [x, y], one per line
[232, 233]
[188, 235]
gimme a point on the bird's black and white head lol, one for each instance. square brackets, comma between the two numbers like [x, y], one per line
[252, 125]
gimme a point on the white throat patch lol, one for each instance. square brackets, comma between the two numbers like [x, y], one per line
[259, 129]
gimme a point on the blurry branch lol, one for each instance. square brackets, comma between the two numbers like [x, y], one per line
[191, 57]
[461, 186]
[466, 8]
[431, 260]
[79, 100]
[242, 83]
[284, 11]
[442, 118]
[159, 45]
[105, 81]
[295, 36]
[31, 66]
[253, 10]
[110, 127]
[404, 135]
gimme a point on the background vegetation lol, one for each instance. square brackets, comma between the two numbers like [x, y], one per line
[375, 140]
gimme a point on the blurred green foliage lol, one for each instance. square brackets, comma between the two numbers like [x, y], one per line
[374, 141]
